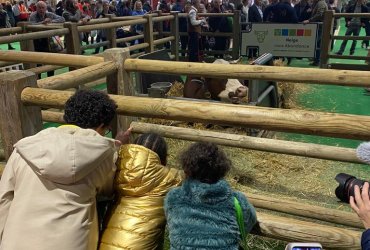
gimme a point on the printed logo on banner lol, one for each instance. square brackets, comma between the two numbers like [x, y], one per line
[261, 35]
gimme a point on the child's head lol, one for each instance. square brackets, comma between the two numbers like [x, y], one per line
[155, 143]
[205, 162]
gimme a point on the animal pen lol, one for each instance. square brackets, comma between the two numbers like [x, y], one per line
[23, 96]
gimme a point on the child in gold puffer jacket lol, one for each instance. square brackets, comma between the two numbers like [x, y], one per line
[142, 180]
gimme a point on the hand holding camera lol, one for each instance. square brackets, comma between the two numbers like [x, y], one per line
[360, 203]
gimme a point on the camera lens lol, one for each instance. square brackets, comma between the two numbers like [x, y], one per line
[346, 186]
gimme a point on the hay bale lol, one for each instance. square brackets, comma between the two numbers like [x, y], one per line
[290, 92]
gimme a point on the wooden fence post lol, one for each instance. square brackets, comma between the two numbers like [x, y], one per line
[111, 33]
[119, 83]
[17, 120]
[237, 35]
[148, 34]
[175, 33]
[26, 45]
[327, 36]
[72, 39]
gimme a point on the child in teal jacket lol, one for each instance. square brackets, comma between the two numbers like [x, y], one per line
[201, 213]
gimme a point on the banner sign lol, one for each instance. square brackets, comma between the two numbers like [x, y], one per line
[280, 39]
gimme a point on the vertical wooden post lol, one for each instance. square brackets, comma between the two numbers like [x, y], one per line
[119, 83]
[148, 34]
[175, 32]
[17, 120]
[160, 31]
[327, 36]
[26, 45]
[72, 39]
[111, 33]
[237, 35]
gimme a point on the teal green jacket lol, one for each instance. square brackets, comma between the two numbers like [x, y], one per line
[202, 216]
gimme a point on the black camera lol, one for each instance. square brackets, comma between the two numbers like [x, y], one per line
[346, 186]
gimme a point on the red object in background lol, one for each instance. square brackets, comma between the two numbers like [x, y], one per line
[154, 4]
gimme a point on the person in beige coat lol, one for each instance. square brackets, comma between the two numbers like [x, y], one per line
[49, 185]
[137, 220]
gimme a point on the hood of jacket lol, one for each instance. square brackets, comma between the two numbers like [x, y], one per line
[66, 154]
[140, 173]
[200, 192]
[363, 152]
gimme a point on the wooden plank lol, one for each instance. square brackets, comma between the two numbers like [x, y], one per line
[78, 77]
[293, 230]
[236, 35]
[16, 119]
[305, 210]
[258, 72]
[49, 58]
[326, 37]
[119, 83]
[175, 33]
[305, 122]
[254, 143]
[148, 34]
[72, 39]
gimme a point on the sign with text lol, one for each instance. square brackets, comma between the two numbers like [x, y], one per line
[280, 39]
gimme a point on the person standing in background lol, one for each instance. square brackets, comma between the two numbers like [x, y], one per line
[319, 8]
[194, 29]
[354, 25]
[303, 10]
[255, 12]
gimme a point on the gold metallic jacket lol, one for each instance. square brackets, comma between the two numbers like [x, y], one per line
[137, 221]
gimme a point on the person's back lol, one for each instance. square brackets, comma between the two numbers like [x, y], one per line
[201, 213]
[137, 220]
[48, 188]
[283, 12]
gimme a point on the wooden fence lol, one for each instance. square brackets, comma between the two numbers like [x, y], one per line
[22, 116]
[327, 38]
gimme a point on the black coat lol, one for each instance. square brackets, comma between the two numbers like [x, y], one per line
[303, 14]
[254, 15]
[351, 9]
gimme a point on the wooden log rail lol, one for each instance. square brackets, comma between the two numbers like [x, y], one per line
[293, 230]
[163, 40]
[45, 68]
[305, 122]
[49, 58]
[33, 35]
[364, 15]
[162, 18]
[287, 74]
[37, 27]
[9, 31]
[77, 77]
[249, 142]
[87, 28]
[301, 209]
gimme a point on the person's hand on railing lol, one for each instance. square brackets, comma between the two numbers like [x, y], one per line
[46, 21]
[123, 137]
[85, 20]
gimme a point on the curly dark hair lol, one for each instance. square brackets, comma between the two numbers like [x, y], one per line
[155, 143]
[89, 109]
[205, 162]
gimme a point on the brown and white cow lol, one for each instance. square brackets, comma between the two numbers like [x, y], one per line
[225, 90]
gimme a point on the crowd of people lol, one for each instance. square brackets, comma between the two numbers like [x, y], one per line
[276, 11]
